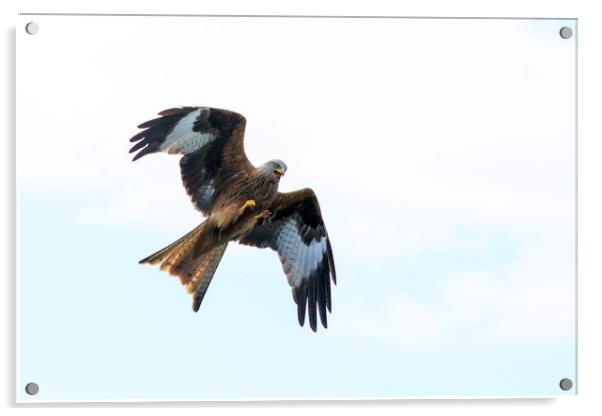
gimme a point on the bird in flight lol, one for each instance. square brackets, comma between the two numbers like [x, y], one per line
[241, 203]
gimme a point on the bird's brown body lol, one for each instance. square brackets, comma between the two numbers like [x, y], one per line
[237, 210]
[229, 206]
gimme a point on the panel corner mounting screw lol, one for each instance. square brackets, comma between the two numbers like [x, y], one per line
[566, 384]
[32, 389]
[32, 28]
[566, 32]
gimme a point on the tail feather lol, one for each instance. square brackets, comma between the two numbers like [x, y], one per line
[176, 246]
[204, 273]
[195, 272]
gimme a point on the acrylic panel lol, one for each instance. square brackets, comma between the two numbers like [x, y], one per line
[442, 156]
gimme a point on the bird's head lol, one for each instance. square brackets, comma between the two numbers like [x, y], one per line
[275, 169]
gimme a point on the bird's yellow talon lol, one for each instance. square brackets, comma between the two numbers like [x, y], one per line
[249, 204]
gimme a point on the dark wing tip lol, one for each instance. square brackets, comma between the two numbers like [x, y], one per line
[312, 304]
[138, 136]
[331, 260]
[142, 145]
[323, 292]
[176, 110]
[137, 146]
[196, 303]
[313, 324]
[300, 298]
[170, 111]
[148, 124]
[156, 130]
[301, 315]
[141, 153]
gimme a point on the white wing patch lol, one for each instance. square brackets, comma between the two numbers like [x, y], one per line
[182, 139]
[298, 259]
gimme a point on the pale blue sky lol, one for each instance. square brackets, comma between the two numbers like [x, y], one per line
[446, 178]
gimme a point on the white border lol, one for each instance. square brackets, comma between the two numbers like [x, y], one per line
[33, 399]
[589, 400]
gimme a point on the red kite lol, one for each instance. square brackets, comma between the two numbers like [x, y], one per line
[242, 204]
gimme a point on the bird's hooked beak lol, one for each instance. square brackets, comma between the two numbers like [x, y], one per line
[277, 174]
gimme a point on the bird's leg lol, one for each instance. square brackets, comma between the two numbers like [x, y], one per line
[263, 214]
[248, 205]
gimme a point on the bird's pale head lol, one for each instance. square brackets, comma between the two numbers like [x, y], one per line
[275, 169]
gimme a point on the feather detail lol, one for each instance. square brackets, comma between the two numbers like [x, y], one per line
[297, 233]
[210, 141]
[194, 272]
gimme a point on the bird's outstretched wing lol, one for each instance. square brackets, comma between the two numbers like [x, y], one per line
[211, 142]
[296, 231]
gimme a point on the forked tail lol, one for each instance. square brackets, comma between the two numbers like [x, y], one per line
[195, 274]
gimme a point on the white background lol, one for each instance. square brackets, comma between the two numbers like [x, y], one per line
[589, 200]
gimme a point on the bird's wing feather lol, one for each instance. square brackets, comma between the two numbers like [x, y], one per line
[296, 231]
[211, 142]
